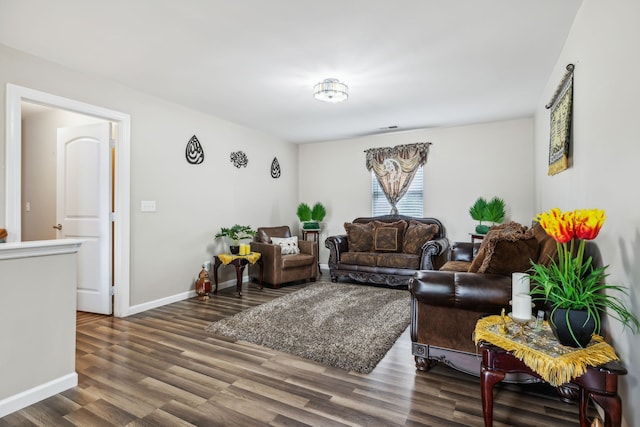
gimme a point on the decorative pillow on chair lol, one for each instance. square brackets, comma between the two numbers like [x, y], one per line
[506, 249]
[288, 245]
[418, 233]
[387, 236]
[360, 236]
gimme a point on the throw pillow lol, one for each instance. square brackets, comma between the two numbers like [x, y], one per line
[288, 245]
[359, 236]
[418, 234]
[507, 250]
[493, 231]
[387, 236]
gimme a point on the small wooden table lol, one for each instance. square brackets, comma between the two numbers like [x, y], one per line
[239, 262]
[316, 238]
[599, 383]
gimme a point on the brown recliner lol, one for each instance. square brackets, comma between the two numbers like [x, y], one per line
[445, 305]
[280, 268]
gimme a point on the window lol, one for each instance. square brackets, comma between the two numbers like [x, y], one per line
[411, 204]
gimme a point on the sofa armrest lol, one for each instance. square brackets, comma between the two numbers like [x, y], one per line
[433, 255]
[336, 245]
[463, 251]
[308, 247]
[271, 254]
[468, 291]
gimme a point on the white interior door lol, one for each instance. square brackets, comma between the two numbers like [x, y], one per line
[83, 209]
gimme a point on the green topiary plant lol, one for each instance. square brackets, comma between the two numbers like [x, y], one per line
[304, 212]
[492, 211]
[318, 212]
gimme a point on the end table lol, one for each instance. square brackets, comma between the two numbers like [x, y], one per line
[239, 262]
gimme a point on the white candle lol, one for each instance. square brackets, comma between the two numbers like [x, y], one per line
[519, 284]
[522, 306]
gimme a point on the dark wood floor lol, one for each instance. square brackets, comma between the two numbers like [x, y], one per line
[160, 368]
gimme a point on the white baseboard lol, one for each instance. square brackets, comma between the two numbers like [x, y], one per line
[135, 309]
[38, 393]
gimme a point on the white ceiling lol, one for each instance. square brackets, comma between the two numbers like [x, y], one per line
[408, 63]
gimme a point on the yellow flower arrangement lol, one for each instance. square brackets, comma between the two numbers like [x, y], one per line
[573, 283]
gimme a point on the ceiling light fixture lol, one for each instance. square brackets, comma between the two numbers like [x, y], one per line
[331, 90]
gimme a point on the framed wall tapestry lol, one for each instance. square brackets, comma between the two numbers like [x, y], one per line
[561, 106]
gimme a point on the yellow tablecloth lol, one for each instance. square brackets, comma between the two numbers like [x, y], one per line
[555, 363]
[253, 257]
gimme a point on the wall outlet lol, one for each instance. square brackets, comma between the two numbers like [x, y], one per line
[147, 206]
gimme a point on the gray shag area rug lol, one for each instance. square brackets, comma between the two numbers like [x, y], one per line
[347, 326]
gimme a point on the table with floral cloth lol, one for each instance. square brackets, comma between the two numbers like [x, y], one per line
[239, 262]
[594, 369]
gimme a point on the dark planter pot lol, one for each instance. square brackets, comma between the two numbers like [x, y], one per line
[582, 326]
[234, 249]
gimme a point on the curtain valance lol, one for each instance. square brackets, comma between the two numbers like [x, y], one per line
[395, 168]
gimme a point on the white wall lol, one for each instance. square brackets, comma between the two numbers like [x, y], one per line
[38, 322]
[490, 159]
[603, 45]
[193, 202]
[39, 160]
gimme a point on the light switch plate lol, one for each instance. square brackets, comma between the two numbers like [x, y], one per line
[147, 206]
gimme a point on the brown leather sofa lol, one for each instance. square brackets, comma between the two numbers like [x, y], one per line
[446, 304]
[390, 268]
[280, 268]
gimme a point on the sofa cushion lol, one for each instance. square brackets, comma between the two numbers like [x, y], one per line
[288, 245]
[360, 236]
[505, 250]
[507, 227]
[457, 266]
[418, 234]
[369, 259]
[297, 260]
[388, 236]
[398, 260]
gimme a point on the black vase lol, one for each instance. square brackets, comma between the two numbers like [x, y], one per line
[582, 325]
[234, 249]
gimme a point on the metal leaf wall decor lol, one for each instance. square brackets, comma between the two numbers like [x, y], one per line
[238, 158]
[275, 168]
[194, 151]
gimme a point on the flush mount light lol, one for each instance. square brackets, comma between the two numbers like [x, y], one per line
[331, 90]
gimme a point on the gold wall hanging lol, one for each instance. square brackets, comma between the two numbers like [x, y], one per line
[561, 106]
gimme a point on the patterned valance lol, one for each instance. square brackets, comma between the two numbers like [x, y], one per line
[406, 153]
[395, 168]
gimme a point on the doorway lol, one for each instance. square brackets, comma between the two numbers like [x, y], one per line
[16, 96]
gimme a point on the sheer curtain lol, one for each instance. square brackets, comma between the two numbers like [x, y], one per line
[395, 168]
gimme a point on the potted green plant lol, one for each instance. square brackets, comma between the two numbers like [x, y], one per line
[491, 211]
[310, 218]
[572, 286]
[235, 234]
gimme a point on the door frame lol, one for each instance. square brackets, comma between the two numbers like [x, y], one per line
[122, 177]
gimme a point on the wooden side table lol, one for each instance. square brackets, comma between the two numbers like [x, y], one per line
[239, 263]
[316, 238]
[476, 236]
[599, 383]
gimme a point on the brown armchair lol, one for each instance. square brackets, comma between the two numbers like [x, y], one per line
[278, 267]
[446, 304]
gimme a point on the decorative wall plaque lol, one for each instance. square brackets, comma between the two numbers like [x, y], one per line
[238, 158]
[275, 168]
[194, 151]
